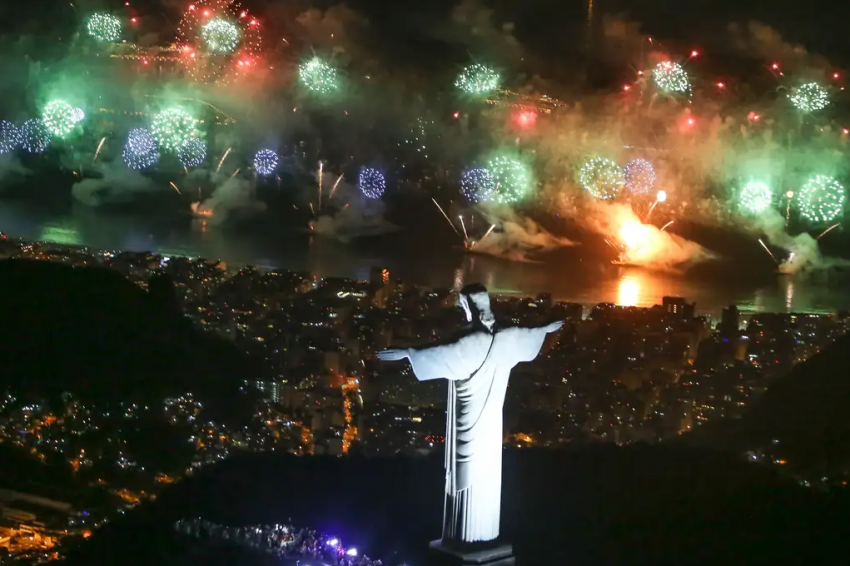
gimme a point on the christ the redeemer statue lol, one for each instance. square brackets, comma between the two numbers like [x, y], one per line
[477, 366]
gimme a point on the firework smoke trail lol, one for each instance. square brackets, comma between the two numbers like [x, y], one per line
[825, 232]
[321, 178]
[234, 174]
[486, 233]
[173, 186]
[185, 170]
[346, 206]
[313, 210]
[223, 157]
[789, 195]
[648, 214]
[465, 235]
[768, 252]
[333, 189]
[97, 151]
[610, 243]
[666, 225]
[446, 216]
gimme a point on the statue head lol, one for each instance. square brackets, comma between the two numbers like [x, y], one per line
[475, 302]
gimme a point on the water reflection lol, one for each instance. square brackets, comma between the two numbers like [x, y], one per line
[458, 281]
[789, 295]
[628, 294]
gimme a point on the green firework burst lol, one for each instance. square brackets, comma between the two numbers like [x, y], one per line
[602, 178]
[821, 199]
[172, 128]
[477, 79]
[318, 76]
[755, 197]
[104, 27]
[220, 36]
[809, 97]
[513, 179]
[59, 118]
[671, 77]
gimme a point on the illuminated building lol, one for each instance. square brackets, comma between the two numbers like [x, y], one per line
[678, 307]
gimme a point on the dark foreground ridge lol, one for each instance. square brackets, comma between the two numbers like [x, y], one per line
[94, 334]
[801, 419]
[594, 505]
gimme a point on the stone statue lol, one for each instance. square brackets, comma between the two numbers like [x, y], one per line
[477, 366]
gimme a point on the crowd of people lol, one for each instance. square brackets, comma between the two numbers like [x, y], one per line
[284, 541]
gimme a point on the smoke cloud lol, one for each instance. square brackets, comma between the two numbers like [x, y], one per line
[232, 196]
[117, 183]
[760, 41]
[333, 27]
[474, 26]
[804, 254]
[355, 216]
[11, 168]
[517, 238]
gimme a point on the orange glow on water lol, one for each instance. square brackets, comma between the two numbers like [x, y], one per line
[628, 292]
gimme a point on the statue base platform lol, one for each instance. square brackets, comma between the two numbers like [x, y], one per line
[470, 554]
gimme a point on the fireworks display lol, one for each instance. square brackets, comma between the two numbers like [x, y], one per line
[602, 178]
[104, 27]
[220, 40]
[371, 183]
[35, 137]
[10, 137]
[477, 185]
[755, 197]
[192, 153]
[639, 176]
[220, 36]
[671, 77]
[477, 79]
[265, 162]
[522, 146]
[821, 199]
[513, 179]
[319, 77]
[809, 97]
[172, 128]
[59, 118]
[140, 151]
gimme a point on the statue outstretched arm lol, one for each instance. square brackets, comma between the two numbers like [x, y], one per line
[554, 326]
[525, 343]
[455, 360]
[393, 354]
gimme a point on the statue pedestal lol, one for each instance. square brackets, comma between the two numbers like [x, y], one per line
[484, 554]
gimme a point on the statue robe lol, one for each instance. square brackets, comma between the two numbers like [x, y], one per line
[477, 366]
